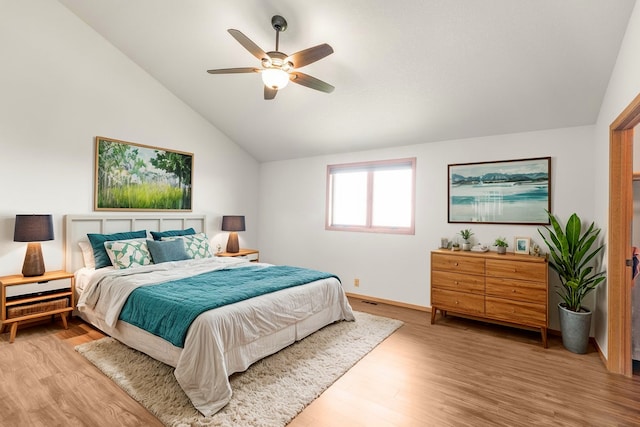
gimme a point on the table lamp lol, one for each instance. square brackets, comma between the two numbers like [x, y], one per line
[233, 223]
[33, 229]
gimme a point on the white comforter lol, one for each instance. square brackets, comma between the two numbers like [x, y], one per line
[230, 338]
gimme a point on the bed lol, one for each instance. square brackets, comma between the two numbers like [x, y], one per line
[219, 341]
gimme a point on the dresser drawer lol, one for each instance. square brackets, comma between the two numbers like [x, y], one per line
[457, 281]
[457, 263]
[536, 271]
[524, 313]
[514, 289]
[457, 301]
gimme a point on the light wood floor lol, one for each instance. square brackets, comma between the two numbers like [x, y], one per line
[454, 373]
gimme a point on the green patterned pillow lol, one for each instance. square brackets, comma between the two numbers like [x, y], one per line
[196, 245]
[128, 253]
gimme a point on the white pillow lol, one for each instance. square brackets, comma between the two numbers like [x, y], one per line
[128, 253]
[196, 245]
[87, 254]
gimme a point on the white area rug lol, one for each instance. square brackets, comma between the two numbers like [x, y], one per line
[270, 393]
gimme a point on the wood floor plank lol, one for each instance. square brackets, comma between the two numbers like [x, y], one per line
[457, 372]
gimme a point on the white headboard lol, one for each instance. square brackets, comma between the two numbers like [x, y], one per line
[76, 228]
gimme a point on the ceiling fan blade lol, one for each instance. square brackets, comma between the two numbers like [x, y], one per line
[311, 82]
[308, 56]
[270, 93]
[248, 44]
[234, 70]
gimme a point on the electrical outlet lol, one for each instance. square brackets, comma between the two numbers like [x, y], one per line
[356, 282]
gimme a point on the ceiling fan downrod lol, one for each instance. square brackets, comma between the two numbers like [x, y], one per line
[279, 24]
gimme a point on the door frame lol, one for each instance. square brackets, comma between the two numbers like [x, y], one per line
[619, 279]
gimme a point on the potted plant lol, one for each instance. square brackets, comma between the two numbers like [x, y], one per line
[501, 245]
[466, 235]
[455, 246]
[571, 256]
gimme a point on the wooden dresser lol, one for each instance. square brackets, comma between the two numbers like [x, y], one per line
[509, 289]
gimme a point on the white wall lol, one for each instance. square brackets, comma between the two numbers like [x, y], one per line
[61, 84]
[396, 267]
[624, 86]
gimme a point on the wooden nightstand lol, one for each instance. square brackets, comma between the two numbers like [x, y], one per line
[250, 254]
[33, 306]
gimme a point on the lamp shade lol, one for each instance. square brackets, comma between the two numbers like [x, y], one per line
[33, 228]
[233, 223]
[275, 78]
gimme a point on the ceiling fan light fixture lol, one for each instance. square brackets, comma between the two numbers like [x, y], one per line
[275, 78]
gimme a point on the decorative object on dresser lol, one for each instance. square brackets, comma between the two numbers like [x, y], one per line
[500, 192]
[572, 257]
[508, 289]
[33, 229]
[466, 235]
[233, 223]
[521, 245]
[33, 306]
[501, 245]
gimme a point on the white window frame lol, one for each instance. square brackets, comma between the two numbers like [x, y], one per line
[371, 167]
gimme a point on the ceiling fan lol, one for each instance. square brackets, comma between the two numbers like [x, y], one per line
[278, 68]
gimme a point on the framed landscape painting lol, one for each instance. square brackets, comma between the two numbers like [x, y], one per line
[130, 176]
[500, 192]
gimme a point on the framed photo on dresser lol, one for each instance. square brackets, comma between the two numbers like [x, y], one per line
[522, 245]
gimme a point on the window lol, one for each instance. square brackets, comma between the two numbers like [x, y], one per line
[372, 196]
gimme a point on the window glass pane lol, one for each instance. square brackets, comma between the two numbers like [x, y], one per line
[349, 198]
[392, 195]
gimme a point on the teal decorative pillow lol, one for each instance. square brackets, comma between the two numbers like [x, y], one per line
[167, 250]
[196, 245]
[128, 253]
[99, 251]
[158, 235]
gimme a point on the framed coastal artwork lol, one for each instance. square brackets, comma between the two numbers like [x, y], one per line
[137, 177]
[500, 192]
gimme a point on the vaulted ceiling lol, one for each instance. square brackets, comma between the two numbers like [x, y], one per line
[405, 72]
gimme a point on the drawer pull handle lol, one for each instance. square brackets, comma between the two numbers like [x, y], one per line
[514, 291]
[456, 282]
[455, 263]
[457, 302]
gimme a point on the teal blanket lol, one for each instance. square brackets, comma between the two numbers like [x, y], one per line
[167, 309]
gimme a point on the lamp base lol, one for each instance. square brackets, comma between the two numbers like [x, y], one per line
[232, 244]
[33, 261]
